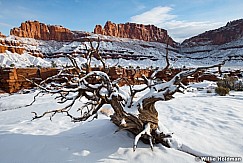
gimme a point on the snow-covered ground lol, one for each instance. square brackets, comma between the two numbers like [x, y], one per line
[202, 123]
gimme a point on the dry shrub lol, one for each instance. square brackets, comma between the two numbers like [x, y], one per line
[227, 82]
[222, 91]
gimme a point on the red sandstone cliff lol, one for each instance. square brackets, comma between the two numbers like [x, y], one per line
[37, 30]
[2, 35]
[232, 31]
[14, 46]
[135, 31]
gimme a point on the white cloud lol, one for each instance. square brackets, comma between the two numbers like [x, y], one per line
[181, 30]
[156, 15]
[19, 12]
[5, 24]
[138, 5]
[178, 29]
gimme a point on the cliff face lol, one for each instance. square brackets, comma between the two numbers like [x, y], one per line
[135, 31]
[37, 30]
[12, 46]
[13, 79]
[232, 31]
[2, 35]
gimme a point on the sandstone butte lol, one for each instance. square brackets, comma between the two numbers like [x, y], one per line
[34, 29]
[230, 32]
[135, 31]
[41, 31]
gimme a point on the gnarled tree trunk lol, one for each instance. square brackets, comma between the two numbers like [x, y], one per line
[98, 89]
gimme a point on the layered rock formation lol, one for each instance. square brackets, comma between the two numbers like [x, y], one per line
[13, 79]
[2, 35]
[135, 31]
[232, 31]
[13, 46]
[37, 30]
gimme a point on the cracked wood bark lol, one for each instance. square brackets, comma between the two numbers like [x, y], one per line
[135, 125]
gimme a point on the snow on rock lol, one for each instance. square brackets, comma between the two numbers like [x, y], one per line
[8, 58]
[124, 52]
[145, 54]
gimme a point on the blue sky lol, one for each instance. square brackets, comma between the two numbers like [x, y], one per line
[182, 18]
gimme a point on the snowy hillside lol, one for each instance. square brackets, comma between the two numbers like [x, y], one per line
[202, 123]
[124, 52]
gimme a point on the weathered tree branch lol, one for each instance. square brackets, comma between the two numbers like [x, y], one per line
[98, 89]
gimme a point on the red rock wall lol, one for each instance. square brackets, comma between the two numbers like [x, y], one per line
[12, 46]
[2, 35]
[232, 31]
[134, 31]
[37, 30]
[12, 80]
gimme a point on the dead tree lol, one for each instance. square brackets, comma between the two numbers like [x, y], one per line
[93, 53]
[167, 55]
[98, 89]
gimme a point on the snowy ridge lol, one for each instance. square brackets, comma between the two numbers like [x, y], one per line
[124, 52]
[206, 48]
